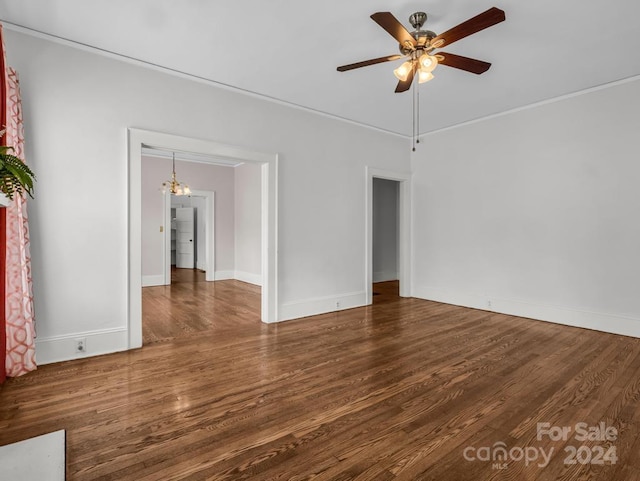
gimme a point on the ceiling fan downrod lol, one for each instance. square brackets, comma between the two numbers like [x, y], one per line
[417, 20]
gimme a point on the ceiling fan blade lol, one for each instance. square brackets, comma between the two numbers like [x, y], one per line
[404, 85]
[366, 63]
[391, 24]
[479, 22]
[463, 63]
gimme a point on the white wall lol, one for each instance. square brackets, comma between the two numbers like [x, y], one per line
[152, 219]
[248, 226]
[77, 108]
[218, 179]
[385, 229]
[534, 213]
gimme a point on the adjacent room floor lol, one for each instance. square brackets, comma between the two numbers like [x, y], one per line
[191, 306]
[405, 389]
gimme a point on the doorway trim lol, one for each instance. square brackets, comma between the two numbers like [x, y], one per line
[404, 234]
[209, 236]
[137, 138]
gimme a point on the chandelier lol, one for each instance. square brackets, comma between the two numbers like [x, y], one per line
[173, 186]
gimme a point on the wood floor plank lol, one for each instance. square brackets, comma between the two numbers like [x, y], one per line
[393, 391]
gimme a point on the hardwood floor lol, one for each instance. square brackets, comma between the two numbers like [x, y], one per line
[400, 390]
[191, 306]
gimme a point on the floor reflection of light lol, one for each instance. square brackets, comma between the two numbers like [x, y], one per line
[182, 403]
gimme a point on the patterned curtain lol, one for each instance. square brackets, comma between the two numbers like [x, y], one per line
[18, 302]
[20, 328]
[3, 215]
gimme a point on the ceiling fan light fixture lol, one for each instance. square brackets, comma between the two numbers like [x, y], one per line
[424, 76]
[428, 62]
[403, 71]
[417, 47]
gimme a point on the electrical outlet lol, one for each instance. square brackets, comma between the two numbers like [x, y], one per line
[488, 303]
[81, 345]
[337, 304]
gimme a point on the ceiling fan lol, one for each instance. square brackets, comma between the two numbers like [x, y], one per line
[418, 46]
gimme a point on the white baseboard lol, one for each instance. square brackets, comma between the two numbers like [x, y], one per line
[150, 281]
[255, 279]
[239, 276]
[463, 299]
[383, 276]
[598, 321]
[224, 275]
[321, 305]
[62, 348]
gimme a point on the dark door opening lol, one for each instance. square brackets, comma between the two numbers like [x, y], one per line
[386, 238]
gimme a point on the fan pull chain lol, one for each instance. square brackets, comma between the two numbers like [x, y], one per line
[417, 114]
[413, 125]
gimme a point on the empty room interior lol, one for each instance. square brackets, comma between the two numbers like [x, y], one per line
[320, 241]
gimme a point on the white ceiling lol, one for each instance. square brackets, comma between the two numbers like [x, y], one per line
[289, 50]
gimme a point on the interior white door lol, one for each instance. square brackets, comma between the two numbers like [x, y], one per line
[184, 237]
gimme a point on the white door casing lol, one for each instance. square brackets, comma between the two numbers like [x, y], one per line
[137, 138]
[404, 241]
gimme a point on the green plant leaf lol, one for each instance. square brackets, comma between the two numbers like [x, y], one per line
[15, 176]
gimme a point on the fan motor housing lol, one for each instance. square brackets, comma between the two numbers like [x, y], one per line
[423, 38]
[423, 42]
